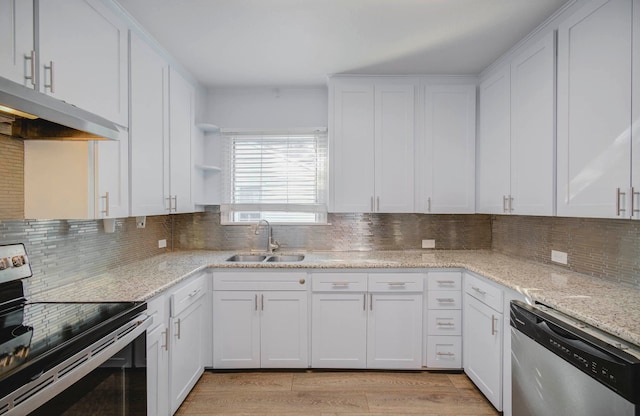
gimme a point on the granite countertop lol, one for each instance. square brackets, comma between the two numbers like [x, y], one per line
[606, 305]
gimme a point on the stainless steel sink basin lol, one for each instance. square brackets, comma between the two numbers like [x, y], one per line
[285, 258]
[258, 258]
[247, 258]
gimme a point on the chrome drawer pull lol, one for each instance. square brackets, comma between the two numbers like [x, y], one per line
[341, 284]
[397, 283]
[445, 300]
[446, 354]
[482, 292]
[445, 324]
[446, 282]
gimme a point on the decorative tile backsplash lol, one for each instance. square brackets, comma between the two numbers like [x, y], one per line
[599, 247]
[11, 178]
[358, 232]
[64, 251]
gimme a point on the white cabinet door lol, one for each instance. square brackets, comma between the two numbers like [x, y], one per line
[181, 125]
[284, 337]
[594, 108]
[394, 334]
[186, 360]
[157, 372]
[83, 56]
[339, 330]
[493, 149]
[236, 329]
[112, 161]
[449, 160]
[16, 49]
[635, 119]
[532, 129]
[148, 131]
[394, 147]
[482, 349]
[353, 150]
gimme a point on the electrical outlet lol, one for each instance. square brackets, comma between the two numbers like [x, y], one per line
[141, 222]
[559, 257]
[428, 243]
[162, 243]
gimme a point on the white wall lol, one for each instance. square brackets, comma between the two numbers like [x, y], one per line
[269, 108]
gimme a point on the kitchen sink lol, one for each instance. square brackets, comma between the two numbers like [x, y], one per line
[285, 258]
[247, 258]
[258, 258]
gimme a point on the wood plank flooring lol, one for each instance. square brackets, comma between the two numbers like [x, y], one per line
[328, 393]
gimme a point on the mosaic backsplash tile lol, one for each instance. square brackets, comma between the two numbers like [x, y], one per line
[599, 247]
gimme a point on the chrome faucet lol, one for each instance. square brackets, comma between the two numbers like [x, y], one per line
[272, 244]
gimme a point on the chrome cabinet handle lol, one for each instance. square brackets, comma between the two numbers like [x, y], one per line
[493, 325]
[372, 204]
[429, 204]
[445, 300]
[378, 204]
[510, 203]
[340, 284]
[446, 282]
[364, 301]
[634, 210]
[262, 307]
[619, 208]
[166, 340]
[504, 204]
[169, 199]
[194, 292]
[370, 301]
[256, 306]
[178, 329]
[482, 292]
[445, 323]
[106, 204]
[396, 283]
[32, 64]
[51, 84]
[446, 354]
[175, 203]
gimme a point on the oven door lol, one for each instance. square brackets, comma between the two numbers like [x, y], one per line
[117, 387]
[108, 377]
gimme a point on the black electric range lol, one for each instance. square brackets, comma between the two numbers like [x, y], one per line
[37, 336]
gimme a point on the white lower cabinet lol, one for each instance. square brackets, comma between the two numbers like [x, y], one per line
[367, 321]
[260, 320]
[176, 344]
[444, 320]
[483, 332]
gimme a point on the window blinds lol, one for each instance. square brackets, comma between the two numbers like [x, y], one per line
[276, 176]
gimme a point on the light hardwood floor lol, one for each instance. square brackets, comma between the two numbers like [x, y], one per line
[326, 393]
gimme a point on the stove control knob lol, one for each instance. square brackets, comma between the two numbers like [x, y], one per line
[18, 261]
[4, 264]
[21, 352]
[6, 360]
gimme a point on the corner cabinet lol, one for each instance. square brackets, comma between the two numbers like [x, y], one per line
[260, 320]
[162, 123]
[87, 70]
[595, 111]
[372, 142]
[446, 168]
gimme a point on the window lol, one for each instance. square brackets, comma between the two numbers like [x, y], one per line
[279, 177]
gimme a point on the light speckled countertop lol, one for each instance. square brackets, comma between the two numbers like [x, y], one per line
[611, 307]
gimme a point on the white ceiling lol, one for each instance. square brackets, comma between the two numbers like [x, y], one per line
[300, 42]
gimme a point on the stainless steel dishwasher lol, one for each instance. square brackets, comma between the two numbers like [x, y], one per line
[561, 366]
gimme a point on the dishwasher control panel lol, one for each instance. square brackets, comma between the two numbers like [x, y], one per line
[601, 356]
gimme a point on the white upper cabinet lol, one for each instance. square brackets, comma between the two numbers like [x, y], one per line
[532, 129]
[149, 130]
[448, 163]
[516, 145]
[17, 53]
[83, 56]
[181, 130]
[493, 156]
[372, 142]
[635, 119]
[594, 111]
[76, 180]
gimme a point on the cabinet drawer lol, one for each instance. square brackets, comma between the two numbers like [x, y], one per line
[188, 294]
[444, 281]
[339, 282]
[444, 352]
[444, 299]
[484, 292]
[396, 282]
[259, 280]
[444, 322]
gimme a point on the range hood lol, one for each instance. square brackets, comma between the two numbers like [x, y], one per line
[28, 114]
